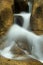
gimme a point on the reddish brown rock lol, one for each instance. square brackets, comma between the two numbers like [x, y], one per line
[37, 17]
[4, 61]
[6, 16]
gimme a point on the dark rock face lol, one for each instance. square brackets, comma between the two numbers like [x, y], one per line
[21, 6]
[18, 20]
[37, 17]
[6, 16]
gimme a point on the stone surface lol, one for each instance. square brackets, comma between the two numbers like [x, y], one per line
[6, 15]
[21, 5]
[4, 61]
[37, 17]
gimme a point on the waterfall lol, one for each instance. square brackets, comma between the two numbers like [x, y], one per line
[30, 6]
[25, 19]
[18, 34]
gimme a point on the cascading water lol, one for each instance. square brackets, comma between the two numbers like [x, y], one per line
[17, 33]
[30, 6]
[25, 16]
[26, 19]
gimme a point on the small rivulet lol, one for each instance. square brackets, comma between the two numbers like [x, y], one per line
[6, 16]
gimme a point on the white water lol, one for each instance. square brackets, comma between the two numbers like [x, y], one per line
[30, 6]
[17, 33]
[26, 19]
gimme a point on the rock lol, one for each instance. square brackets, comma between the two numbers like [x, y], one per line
[5, 61]
[21, 5]
[37, 17]
[6, 16]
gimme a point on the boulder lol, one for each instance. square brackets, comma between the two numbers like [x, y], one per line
[37, 17]
[6, 16]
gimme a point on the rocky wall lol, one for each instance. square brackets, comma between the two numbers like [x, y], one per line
[37, 17]
[6, 15]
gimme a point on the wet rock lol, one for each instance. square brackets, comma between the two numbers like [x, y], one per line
[21, 5]
[6, 16]
[37, 17]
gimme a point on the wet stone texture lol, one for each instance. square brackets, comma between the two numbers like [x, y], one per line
[37, 17]
[6, 16]
[4, 61]
[21, 5]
